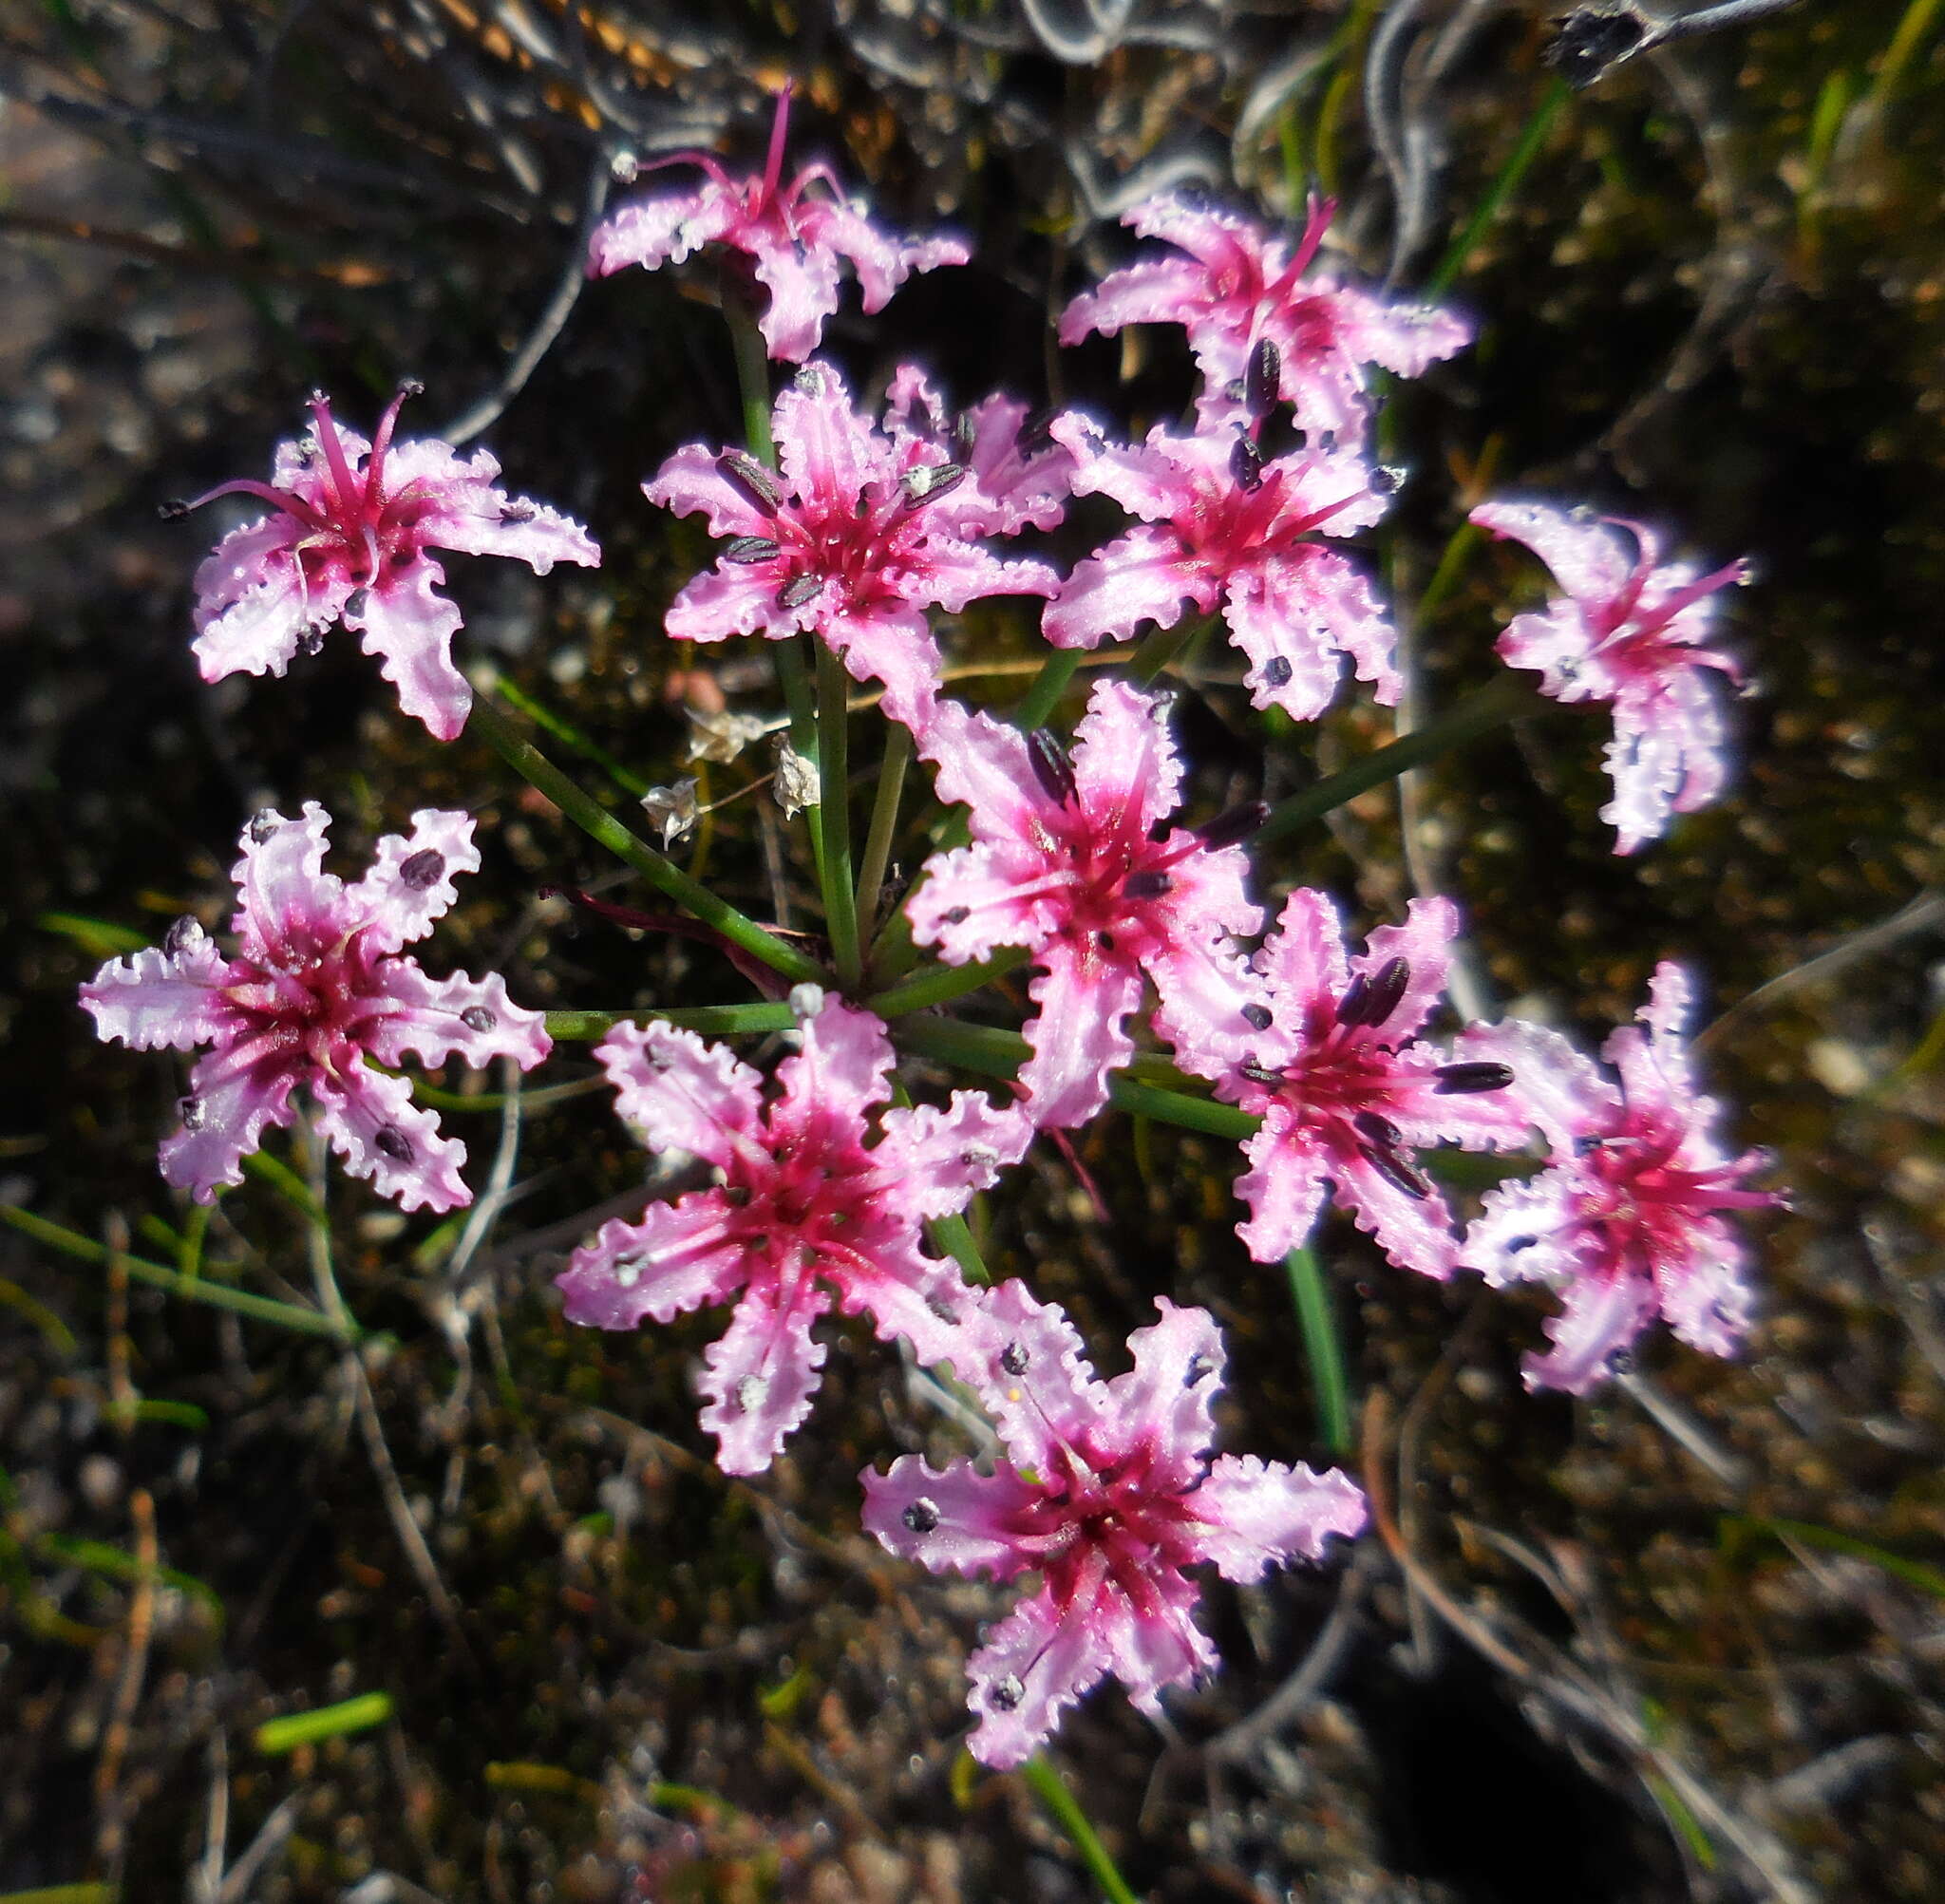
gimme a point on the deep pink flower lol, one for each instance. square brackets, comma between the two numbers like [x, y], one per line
[1014, 480]
[350, 544]
[808, 1212]
[1629, 629]
[1629, 1219]
[1075, 862]
[1109, 1496]
[1238, 288]
[1346, 1091]
[846, 540]
[796, 243]
[1228, 531]
[317, 987]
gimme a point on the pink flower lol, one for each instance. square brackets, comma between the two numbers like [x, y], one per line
[1629, 629]
[317, 987]
[1241, 294]
[1345, 1091]
[848, 540]
[1629, 1219]
[807, 1211]
[1013, 480]
[796, 243]
[1109, 1496]
[1228, 531]
[350, 544]
[1074, 861]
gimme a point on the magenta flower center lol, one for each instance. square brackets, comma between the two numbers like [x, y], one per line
[1643, 1203]
[803, 1193]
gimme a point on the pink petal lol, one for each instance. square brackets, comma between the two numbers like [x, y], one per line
[289, 908]
[679, 1093]
[891, 643]
[733, 599]
[908, 1294]
[1424, 942]
[1591, 560]
[1155, 1645]
[823, 447]
[410, 883]
[234, 1106]
[1159, 290]
[1406, 339]
[1144, 577]
[804, 291]
[1166, 1398]
[1556, 1088]
[519, 528]
[957, 1519]
[1528, 1232]
[1284, 1189]
[373, 1124]
[992, 887]
[1704, 1298]
[1304, 958]
[1125, 766]
[981, 764]
[692, 482]
[1601, 1317]
[1035, 1664]
[1149, 479]
[843, 1071]
[955, 573]
[471, 1019]
[1415, 1233]
[154, 998]
[758, 1379]
[664, 230]
[1078, 1035]
[1257, 1515]
[252, 606]
[1201, 989]
[1029, 1371]
[1309, 608]
[679, 1256]
[882, 261]
[936, 1160]
[411, 626]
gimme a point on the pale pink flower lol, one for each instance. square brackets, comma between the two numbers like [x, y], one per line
[1016, 477]
[1628, 1221]
[846, 540]
[1076, 863]
[808, 1212]
[350, 544]
[1629, 629]
[1224, 529]
[796, 243]
[1239, 292]
[1347, 1090]
[317, 986]
[1109, 1496]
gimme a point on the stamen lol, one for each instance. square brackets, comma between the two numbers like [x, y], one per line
[393, 1143]
[1277, 670]
[1246, 465]
[1263, 377]
[1051, 767]
[751, 549]
[1256, 1017]
[1380, 997]
[1396, 1171]
[423, 870]
[344, 485]
[804, 589]
[1380, 1129]
[1454, 1080]
[477, 1018]
[1234, 827]
[1147, 885]
[746, 474]
[920, 1516]
[923, 484]
[1003, 1695]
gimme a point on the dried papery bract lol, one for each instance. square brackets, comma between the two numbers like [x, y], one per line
[1109, 1493]
[349, 542]
[796, 243]
[1631, 630]
[1630, 1219]
[316, 987]
[810, 1210]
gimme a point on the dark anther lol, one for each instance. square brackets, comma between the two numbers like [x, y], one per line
[1380, 1129]
[411, 387]
[477, 1018]
[1260, 1074]
[1236, 389]
[1104, 941]
[1234, 827]
[920, 1516]
[737, 1195]
[311, 643]
[1036, 431]
[1457, 1080]
[1387, 478]
[174, 510]
[1198, 1369]
[1004, 1694]
[1350, 1007]
[744, 472]
[1051, 767]
[422, 871]
[1159, 832]
[751, 549]
[183, 934]
[1381, 995]
[965, 434]
[1262, 378]
[1147, 885]
[805, 588]
[1591, 41]
[265, 822]
[1395, 1171]
[1277, 670]
[394, 1143]
[193, 1112]
[1246, 464]
[1256, 1017]
[1013, 1358]
[942, 1310]
[354, 602]
[1515, 1244]
[956, 915]
[518, 509]
[930, 480]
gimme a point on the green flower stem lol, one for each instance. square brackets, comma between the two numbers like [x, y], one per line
[1309, 1289]
[1162, 647]
[219, 1295]
[1000, 1054]
[1517, 163]
[834, 817]
[569, 735]
[940, 983]
[668, 878]
[1499, 701]
[1048, 685]
[1061, 1806]
[884, 825]
[722, 1021]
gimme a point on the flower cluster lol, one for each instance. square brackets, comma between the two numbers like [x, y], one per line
[828, 1188]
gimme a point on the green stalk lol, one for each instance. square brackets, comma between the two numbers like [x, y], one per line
[1061, 1806]
[1499, 701]
[599, 825]
[1162, 647]
[940, 983]
[569, 735]
[1310, 1289]
[722, 1021]
[1460, 252]
[1917, 21]
[834, 818]
[883, 827]
[219, 1295]
[1048, 685]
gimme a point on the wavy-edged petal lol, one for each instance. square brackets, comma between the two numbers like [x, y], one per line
[1601, 1317]
[230, 1105]
[1284, 1188]
[951, 1519]
[1079, 1034]
[1179, 1363]
[1035, 1664]
[289, 904]
[373, 1124]
[1257, 1513]
[679, 1092]
[409, 626]
[759, 1378]
[152, 998]
[1126, 767]
[410, 884]
[1030, 1370]
[941, 1158]
[678, 1256]
[1140, 577]
[470, 1019]
[841, 1071]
